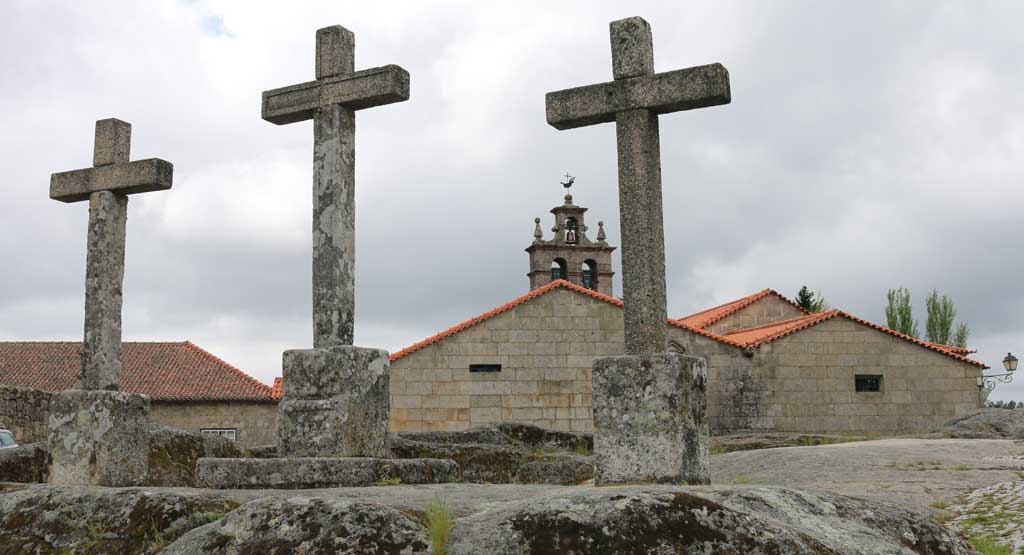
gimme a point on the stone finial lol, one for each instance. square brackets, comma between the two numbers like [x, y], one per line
[537, 233]
[600, 232]
[568, 200]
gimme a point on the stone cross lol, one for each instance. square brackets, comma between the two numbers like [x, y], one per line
[634, 100]
[331, 101]
[106, 186]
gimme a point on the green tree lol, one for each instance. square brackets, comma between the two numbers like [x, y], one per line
[963, 331]
[941, 313]
[899, 313]
[811, 302]
[941, 319]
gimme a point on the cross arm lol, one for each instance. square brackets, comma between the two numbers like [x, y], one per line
[662, 93]
[358, 90]
[141, 176]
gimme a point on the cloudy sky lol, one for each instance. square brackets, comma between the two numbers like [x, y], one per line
[867, 146]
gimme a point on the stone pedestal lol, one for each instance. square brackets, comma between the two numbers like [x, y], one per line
[650, 422]
[336, 403]
[98, 438]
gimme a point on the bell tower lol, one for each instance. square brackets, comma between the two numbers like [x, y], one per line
[570, 254]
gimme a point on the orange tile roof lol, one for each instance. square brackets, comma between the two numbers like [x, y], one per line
[503, 308]
[755, 337]
[164, 371]
[278, 389]
[708, 317]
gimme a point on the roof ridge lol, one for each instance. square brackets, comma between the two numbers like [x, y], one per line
[926, 344]
[203, 352]
[781, 322]
[739, 304]
[502, 309]
[706, 333]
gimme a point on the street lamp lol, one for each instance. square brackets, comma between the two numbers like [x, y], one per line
[988, 381]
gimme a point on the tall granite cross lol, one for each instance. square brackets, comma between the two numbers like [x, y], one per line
[331, 101]
[634, 100]
[649, 405]
[106, 186]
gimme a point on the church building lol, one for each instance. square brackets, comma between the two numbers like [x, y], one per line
[772, 366]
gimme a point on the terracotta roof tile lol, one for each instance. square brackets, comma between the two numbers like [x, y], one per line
[707, 317]
[164, 371]
[755, 337]
[278, 389]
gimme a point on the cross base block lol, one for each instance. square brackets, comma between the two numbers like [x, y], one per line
[336, 403]
[98, 438]
[650, 419]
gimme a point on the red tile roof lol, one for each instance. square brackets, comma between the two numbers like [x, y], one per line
[164, 371]
[504, 308]
[278, 390]
[707, 317]
[755, 337]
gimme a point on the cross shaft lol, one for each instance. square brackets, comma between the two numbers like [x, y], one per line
[331, 101]
[633, 101]
[106, 186]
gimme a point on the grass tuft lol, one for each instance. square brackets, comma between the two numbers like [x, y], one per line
[986, 545]
[440, 522]
[389, 482]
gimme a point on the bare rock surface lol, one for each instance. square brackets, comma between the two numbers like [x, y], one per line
[308, 526]
[24, 463]
[987, 424]
[913, 473]
[173, 454]
[493, 519]
[44, 520]
[505, 453]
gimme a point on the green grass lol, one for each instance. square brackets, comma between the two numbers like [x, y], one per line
[583, 450]
[986, 545]
[961, 467]
[741, 480]
[940, 505]
[717, 450]
[389, 482]
[440, 522]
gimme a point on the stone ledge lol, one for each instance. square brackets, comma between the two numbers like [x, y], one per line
[311, 472]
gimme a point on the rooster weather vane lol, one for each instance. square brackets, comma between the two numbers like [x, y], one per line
[569, 180]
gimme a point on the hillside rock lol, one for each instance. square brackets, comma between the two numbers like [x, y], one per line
[987, 424]
[173, 454]
[24, 463]
[45, 520]
[702, 520]
[504, 453]
[309, 526]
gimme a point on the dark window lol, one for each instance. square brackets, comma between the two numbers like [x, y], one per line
[557, 269]
[588, 274]
[863, 383]
[485, 368]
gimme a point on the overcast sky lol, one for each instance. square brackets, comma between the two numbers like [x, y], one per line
[869, 145]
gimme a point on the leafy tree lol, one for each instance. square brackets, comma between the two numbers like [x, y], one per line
[811, 302]
[963, 331]
[899, 313]
[939, 326]
[941, 313]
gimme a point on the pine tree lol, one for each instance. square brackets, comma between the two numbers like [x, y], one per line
[811, 302]
[899, 313]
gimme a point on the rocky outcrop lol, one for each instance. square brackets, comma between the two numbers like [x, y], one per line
[171, 460]
[51, 520]
[987, 424]
[505, 453]
[24, 463]
[701, 520]
[173, 454]
[321, 472]
[309, 526]
[516, 520]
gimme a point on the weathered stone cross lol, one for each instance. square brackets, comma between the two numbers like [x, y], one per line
[106, 186]
[331, 101]
[633, 101]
